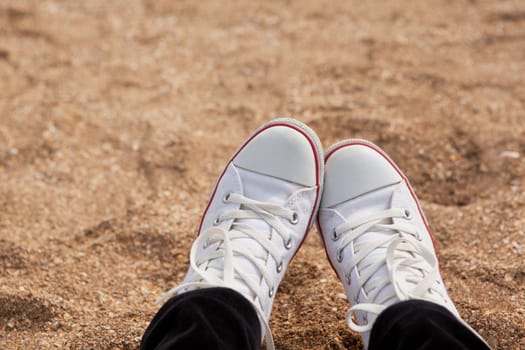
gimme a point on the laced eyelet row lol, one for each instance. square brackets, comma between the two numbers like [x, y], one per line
[225, 199]
[339, 256]
[348, 279]
[333, 235]
[295, 218]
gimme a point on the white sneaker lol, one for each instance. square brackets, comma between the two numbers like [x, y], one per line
[263, 205]
[375, 234]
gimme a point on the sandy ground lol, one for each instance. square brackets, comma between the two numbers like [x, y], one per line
[117, 116]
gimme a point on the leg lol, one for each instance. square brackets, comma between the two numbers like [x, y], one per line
[263, 205]
[212, 318]
[421, 325]
[380, 245]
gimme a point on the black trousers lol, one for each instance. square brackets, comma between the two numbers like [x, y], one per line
[220, 318]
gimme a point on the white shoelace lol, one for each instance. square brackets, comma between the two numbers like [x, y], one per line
[222, 258]
[412, 267]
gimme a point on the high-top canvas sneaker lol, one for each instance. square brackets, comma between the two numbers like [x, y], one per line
[375, 234]
[263, 205]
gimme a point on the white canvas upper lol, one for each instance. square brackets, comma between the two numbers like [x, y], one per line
[263, 188]
[260, 211]
[376, 237]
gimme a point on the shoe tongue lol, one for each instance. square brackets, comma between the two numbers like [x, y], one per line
[365, 205]
[369, 203]
[266, 188]
[262, 188]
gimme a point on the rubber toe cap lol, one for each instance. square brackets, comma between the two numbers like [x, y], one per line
[355, 169]
[280, 151]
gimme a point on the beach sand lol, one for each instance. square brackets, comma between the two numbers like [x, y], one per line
[116, 117]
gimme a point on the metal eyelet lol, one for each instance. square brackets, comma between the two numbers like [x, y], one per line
[279, 267]
[271, 292]
[333, 235]
[295, 218]
[217, 221]
[288, 244]
[407, 214]
[348, 279]
[226, 198]
[339, 256]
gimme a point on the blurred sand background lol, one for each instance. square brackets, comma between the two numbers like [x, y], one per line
[117, 116]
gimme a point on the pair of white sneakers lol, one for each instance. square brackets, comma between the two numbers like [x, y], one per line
[266, 200]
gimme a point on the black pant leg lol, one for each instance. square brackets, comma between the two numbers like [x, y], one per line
[421, 325]
[210, 318]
